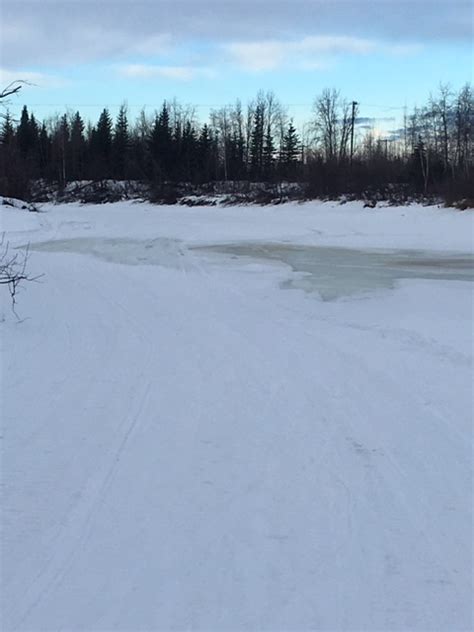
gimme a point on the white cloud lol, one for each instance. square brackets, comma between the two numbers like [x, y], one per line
[100, 41]
[39, 79]
[153, 45]
[179, 73]
[403, 50]
[257, 56]
[334, 44]
[22, 42]
[307, 53]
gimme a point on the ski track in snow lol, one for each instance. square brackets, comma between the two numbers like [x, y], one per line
[202, 450]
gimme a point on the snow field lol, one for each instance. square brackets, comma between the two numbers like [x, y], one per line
[186, 445]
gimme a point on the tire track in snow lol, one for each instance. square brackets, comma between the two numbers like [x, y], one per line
[78, 523]
[384, 476]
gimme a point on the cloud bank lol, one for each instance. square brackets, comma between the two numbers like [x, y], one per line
[55, 32]
[180, 73]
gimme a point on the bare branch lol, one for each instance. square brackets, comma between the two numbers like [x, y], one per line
[12, 88]
[13, 270]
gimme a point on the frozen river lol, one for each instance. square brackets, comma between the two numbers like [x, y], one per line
[329, 271]
[187, 446]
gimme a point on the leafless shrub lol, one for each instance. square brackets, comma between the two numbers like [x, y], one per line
[13, 270]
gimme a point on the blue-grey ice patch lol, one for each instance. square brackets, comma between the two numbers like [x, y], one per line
[337, 272]
[170, 253]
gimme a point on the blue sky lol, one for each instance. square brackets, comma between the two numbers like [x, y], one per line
[88, 55]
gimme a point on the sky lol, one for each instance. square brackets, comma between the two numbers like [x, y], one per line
[87, 55]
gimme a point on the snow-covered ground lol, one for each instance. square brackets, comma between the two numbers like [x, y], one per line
[189, 445]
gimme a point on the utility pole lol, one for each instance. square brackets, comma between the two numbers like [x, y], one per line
[354, 105]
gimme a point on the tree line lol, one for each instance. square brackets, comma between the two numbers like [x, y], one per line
[431, 153]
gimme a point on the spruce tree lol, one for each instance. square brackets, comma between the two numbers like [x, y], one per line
[34, 153]
[44, 149]
[78, 147]
[8, 131]
[100, 147]
[206, 154]
[24, 132]
[34, 131]
[189, 153]
[61, 147]
[268, 155]
[104, 134]
[290, 152]
[257, 142]
[14, 172]
[161, 145]
[120, 144]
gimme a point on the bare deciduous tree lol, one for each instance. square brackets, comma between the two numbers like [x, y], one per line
[332, 125]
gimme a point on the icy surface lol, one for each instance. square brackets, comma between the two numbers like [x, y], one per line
[338, 272]
[188, 446]
[159, 252]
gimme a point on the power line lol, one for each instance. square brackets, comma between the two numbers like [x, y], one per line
[384, 108]
[196, 105]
